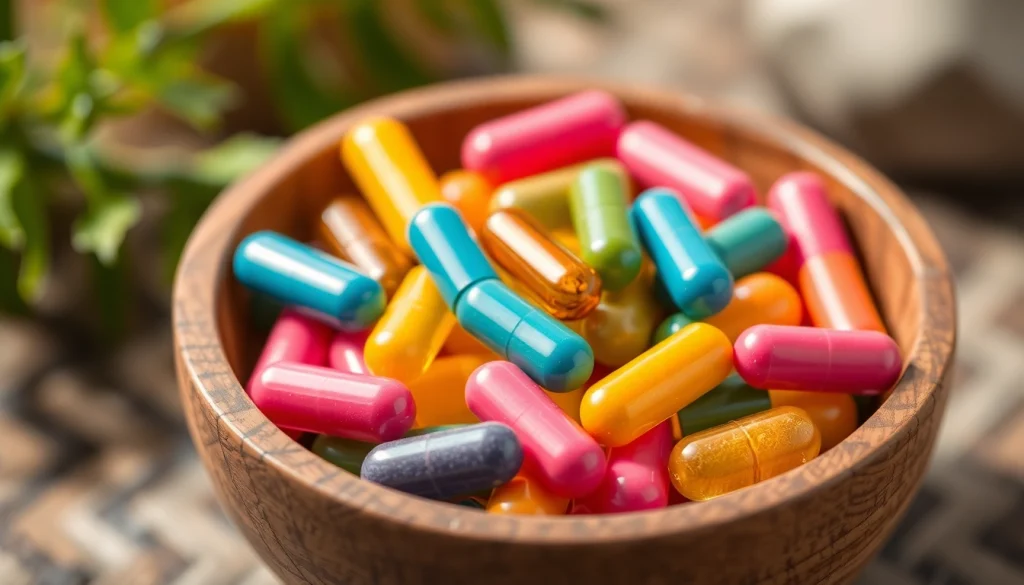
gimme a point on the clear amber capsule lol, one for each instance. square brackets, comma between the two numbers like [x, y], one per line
[470, 193]
[741, 453]
[440, 393]
[525, 496]
[561, 283]
[352, 233]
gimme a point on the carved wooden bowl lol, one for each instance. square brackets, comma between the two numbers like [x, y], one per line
[313, 523]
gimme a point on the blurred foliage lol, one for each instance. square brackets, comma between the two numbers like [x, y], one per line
[117, 58]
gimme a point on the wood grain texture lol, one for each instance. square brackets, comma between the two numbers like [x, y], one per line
[313, 523]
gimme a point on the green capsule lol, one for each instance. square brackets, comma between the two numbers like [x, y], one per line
[599, 203]
[345, 453]
[669, 326]
[433, 429]
[730, 400]
[748, 241]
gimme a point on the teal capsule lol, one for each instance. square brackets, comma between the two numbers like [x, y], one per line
[599, 204]
[747, 241]
[296, 274]
[730, 400]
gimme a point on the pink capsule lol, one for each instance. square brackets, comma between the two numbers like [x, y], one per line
[657, 157]
[559, 453]
[295, 337]
[636, 478]
[329, 402]
[813, 359]
[345, 353]
[803, 208]
[580, 127]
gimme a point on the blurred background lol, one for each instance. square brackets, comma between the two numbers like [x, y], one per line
[120, 120]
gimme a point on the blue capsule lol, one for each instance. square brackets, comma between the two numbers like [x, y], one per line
[296, 274]
[748, 241]
[438, 235]
[697, 281]
[447, 464]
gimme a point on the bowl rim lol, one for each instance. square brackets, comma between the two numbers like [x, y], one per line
[203, 363]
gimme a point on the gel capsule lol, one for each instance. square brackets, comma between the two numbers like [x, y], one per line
[656, 385]
[351, 232]
[440, 393]
[447, 464]
[758, 299]
[830, 278]
[557, 450]
[741, 453]
[329, 402]
[391, 172]
[525, 496]
[470, 193]
[620, 328]
[545, 196]
[834, 414]
[294, 338]
[410, 333]
[814, 359]
[345, 353]
[748, 241]
[696, 280]
[573, 129]
[636, 478]
[657, 157]
[556, 279]
[599, 201]
[297, 274]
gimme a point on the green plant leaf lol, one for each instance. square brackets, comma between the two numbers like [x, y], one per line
[12, 76]
[198, 99]
[102, 229]
[12, 169]
[30, 207]
[125, 15]
[233, 158]
[386, 61]
[6, 20]
[198, 16]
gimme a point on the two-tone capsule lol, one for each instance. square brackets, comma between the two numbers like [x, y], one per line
[599, 201]
[352, 233]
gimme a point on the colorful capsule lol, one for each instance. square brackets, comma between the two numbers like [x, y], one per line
[748, 241]
[657, 157]
[758, 299]
[391, 172]
[412, 330]
[569, 402]
[636, 478]
[297, 274]
[544, 348]
[830, 278]
[461, 342]
[817, 360]
[345, 353]
[562, 284]
[294, 338]
[440, 393]
[557, 450]
[656, 385]
[351, 232]
[696, 280]
[573, 129]
[326, 401]
[621, 326]
[545, 196]
[525, 496]
[741, 453]
[345, 453]
[470, 193]
[599, 202]
[834, 414]
[447, 464]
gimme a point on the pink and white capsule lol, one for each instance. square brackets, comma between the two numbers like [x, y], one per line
[636, 478]
[556, 449]
[329, 402]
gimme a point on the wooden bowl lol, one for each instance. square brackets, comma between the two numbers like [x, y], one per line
[314, 523]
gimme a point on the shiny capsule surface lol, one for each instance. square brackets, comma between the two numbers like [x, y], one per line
[742, 453]
[352, 233]
[695, 278]
[599, 202]
[621, 326]
[524, 495]
[294, 338]
[561, 283]
[297, 274]
[345, 353]
[656, 385]
[748, 241]
[545, 196]
[461, 342]
[731, 400]
[391, 172]
[817, 360]
[440, 393]
[447, 464]
[470, 193]
[443, 243]
[636, 478]
[834, 414]
[412, 330]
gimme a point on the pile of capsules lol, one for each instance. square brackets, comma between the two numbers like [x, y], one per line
[563, 346]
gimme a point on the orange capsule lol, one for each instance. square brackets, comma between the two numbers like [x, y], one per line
[836, 293]
[439, 393]
[562, 284]
[525, 496]
[834, 414]
[470, 193]
[460, 342]
[351, 232]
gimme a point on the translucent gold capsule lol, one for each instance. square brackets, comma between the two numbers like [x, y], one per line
[351, 232]
[562, 284]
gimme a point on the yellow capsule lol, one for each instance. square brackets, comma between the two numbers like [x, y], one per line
[620, 327]
[391, 171]
[569, 402]
[545, 196]
[440, 393]
[560, 283]
[656, 385]
[412, 330]
[460, 342]
[833, 413]
[525, 496]
[567, 237]
[470, 193]
[743, 452]
[352, 233]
